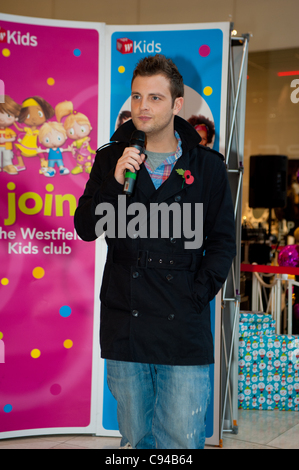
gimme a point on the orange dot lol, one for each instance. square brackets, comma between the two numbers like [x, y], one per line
[208, 90]
[38, 272]
[35, 353]
[6, 52]
[68, 344]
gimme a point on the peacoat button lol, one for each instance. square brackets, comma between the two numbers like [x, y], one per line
[170, 316]
[135, 313]
[135, 275]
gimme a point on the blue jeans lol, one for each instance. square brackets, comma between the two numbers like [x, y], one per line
[158, 406]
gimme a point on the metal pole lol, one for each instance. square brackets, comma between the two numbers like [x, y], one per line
[226, 365]
[229, 364]
[237, 96]
[238, 192]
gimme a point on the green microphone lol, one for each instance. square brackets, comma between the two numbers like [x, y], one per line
[137, 140]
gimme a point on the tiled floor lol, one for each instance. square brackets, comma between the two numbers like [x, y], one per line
[265, 430]
[257, 430]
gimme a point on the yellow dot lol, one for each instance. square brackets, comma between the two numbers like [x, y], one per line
[35, 353]
[208, 90]
[1, 335]
[4, 281]
[68, 344]
[50, 187]
[38, 273]
[121, 69]
[11, 186]
[50, 81]
[6, 52]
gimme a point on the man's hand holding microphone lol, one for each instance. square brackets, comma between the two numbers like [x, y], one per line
[130, 162]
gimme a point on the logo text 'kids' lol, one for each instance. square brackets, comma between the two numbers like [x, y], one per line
[17, 38]
[127, 46]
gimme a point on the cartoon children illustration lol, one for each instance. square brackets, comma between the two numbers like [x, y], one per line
[35, 111]
[9, 112]
[78, 128]
[204, 127]
[53, 135]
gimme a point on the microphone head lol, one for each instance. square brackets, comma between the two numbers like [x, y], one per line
[137, 139]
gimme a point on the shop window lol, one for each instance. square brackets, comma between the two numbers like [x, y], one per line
[272, 128]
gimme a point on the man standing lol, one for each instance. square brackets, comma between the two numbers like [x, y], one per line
[155, 316]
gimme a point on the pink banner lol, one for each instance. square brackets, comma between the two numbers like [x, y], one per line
[48, 136]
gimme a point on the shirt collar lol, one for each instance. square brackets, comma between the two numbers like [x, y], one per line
[178, 153]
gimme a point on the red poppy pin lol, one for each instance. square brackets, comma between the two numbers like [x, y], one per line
[186, 174]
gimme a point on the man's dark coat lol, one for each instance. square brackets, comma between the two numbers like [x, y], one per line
[155, 293]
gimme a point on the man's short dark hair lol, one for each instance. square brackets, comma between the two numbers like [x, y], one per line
[159, 64]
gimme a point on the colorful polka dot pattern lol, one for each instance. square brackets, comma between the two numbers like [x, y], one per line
[46, 291]
[204, 51]
[36, 353]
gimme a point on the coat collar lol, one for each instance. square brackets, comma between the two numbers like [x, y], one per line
[190, 139]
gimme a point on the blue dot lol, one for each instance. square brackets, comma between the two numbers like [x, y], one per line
[65, 311]
[77, 52]
[7, 409]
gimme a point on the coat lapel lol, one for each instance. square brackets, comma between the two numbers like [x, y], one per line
[175, 182]
[144, 183]
[172, 186]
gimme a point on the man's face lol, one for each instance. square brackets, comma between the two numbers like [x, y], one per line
[151, 105]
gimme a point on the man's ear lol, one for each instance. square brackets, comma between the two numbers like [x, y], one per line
[178, 104]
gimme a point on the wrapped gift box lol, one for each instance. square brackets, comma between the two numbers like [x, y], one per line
[269, 372]
[256, 323]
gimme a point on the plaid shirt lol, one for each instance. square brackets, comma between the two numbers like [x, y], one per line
[162, 172]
